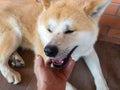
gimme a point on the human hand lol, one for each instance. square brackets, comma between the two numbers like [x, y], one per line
[50, 78]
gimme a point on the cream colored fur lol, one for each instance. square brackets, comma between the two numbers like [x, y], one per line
[26, 24]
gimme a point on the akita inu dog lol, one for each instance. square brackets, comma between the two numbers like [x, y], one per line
[55, 29]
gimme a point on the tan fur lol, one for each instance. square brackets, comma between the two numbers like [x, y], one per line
[26, 20]
[21, 14]
[89, 5]
[19, 27]
[9, 40]
[66, 10]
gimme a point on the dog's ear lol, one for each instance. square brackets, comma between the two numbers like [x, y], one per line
[94, 8]
[46, 3]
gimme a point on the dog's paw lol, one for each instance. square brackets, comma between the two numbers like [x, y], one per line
[12, 76]
[16, 60]
[16, 63]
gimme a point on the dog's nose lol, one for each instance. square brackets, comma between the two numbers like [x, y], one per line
[51, 50]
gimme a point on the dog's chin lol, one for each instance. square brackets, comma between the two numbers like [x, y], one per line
[60, 63]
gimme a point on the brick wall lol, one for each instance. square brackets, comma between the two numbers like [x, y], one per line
[109, 23]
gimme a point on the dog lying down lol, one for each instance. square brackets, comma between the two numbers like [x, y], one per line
[55, 29]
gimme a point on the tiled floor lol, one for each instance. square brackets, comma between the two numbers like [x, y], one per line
[108, 53]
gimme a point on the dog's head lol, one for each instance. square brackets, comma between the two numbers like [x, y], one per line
[65, 25]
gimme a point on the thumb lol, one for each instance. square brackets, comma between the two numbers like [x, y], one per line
[39, 64]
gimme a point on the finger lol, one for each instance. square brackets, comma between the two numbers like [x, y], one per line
[39, 64]
[39, 61]
[68, 69]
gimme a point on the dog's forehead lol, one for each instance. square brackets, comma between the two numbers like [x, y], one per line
[59, 25]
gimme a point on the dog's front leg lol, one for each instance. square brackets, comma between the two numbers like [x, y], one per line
[93, 64]
[7, 46]
[39, 50]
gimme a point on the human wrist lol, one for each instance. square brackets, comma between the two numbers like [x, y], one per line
[51, 87]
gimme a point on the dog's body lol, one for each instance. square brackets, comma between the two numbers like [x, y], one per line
[61, 26]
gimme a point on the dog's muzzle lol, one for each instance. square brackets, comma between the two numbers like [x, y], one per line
[64, 61]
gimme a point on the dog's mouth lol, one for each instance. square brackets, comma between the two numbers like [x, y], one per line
[60, 63]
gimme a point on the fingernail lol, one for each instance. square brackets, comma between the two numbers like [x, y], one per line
[37, 57]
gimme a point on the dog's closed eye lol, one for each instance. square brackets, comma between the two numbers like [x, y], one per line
[50, 30]
[68, 31]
